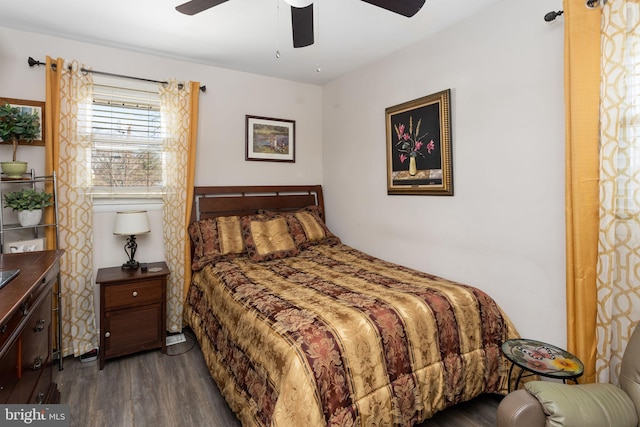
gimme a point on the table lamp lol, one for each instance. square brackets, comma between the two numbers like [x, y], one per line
[131, 223]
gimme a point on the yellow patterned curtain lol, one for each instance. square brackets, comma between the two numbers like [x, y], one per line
[619, 239]
[582, 82]
[180, 112]
[68, 151]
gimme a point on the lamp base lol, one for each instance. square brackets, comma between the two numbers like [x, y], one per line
[130, 248]
[131, 265]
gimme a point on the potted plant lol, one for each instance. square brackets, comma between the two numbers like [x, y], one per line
[29, 204]
[17, 125]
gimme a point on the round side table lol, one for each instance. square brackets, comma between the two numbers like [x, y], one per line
[540, 358]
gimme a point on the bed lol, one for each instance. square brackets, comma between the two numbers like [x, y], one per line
[299, 329]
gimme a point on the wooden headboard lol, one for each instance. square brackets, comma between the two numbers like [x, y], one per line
[211, 202]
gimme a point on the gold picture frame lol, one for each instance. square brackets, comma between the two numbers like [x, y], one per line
[31, 106]
[419, 146]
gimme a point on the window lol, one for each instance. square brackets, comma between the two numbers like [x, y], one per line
[628, 143]
[127, 158]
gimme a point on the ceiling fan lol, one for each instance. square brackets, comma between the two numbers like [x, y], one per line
[302, 13]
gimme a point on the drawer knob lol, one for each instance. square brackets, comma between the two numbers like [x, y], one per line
[107, 334]
[4, 329]
[39, 326]
[37, 363]
[135, 293]
[24, 307]
[40, 398]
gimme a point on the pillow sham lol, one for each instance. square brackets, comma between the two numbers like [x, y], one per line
[216, 239]
[315, 209]
[267, 238]
[306, 226]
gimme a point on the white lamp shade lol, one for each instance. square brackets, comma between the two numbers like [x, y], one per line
[299, 3]
[131, 223]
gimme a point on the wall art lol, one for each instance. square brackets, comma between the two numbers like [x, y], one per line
[270, 139]
[32, 107]
[419, 146]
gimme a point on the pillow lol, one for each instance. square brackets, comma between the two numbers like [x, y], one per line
[315, 209]
[267, 238]
[215, 240]
[306, 226]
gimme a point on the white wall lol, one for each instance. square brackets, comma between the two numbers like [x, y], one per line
[503, 230]
[229, 97]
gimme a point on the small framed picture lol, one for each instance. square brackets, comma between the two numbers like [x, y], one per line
[269, 139]
[36, 107]
[21, 246]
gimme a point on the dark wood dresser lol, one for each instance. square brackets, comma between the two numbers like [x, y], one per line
[26, 328]
[132, 310]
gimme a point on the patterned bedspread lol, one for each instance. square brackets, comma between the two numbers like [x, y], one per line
[336, 337]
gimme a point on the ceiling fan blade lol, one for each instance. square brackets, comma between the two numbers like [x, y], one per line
[406, 8]
[196, 6]
[302, 25]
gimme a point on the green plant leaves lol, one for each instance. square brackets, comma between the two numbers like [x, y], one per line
[18, 124]
[27, 200]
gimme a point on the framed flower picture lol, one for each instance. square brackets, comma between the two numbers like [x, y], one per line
[419, 146]
[270, 139]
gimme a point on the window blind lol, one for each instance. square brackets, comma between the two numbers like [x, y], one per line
[127, 158]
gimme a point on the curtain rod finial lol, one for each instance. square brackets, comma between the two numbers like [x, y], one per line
[33, 62]
[552, 15]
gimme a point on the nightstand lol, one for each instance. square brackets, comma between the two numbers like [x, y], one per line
[132, 310]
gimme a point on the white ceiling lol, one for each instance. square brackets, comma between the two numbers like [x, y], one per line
[241, 34]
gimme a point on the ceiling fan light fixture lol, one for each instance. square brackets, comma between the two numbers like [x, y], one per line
[298, 3]
[302, 13]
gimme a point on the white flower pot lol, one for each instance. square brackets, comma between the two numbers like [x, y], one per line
[30, 218]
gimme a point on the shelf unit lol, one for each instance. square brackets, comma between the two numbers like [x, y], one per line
[31, 180]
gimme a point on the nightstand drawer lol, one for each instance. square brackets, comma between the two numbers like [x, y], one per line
[133, 294]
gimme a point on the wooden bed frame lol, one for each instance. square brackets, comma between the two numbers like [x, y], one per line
[212, 202]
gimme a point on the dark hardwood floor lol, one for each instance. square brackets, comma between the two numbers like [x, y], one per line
[152, 389]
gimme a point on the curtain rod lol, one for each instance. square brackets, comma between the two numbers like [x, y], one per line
[591, 4]
[33, 62]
